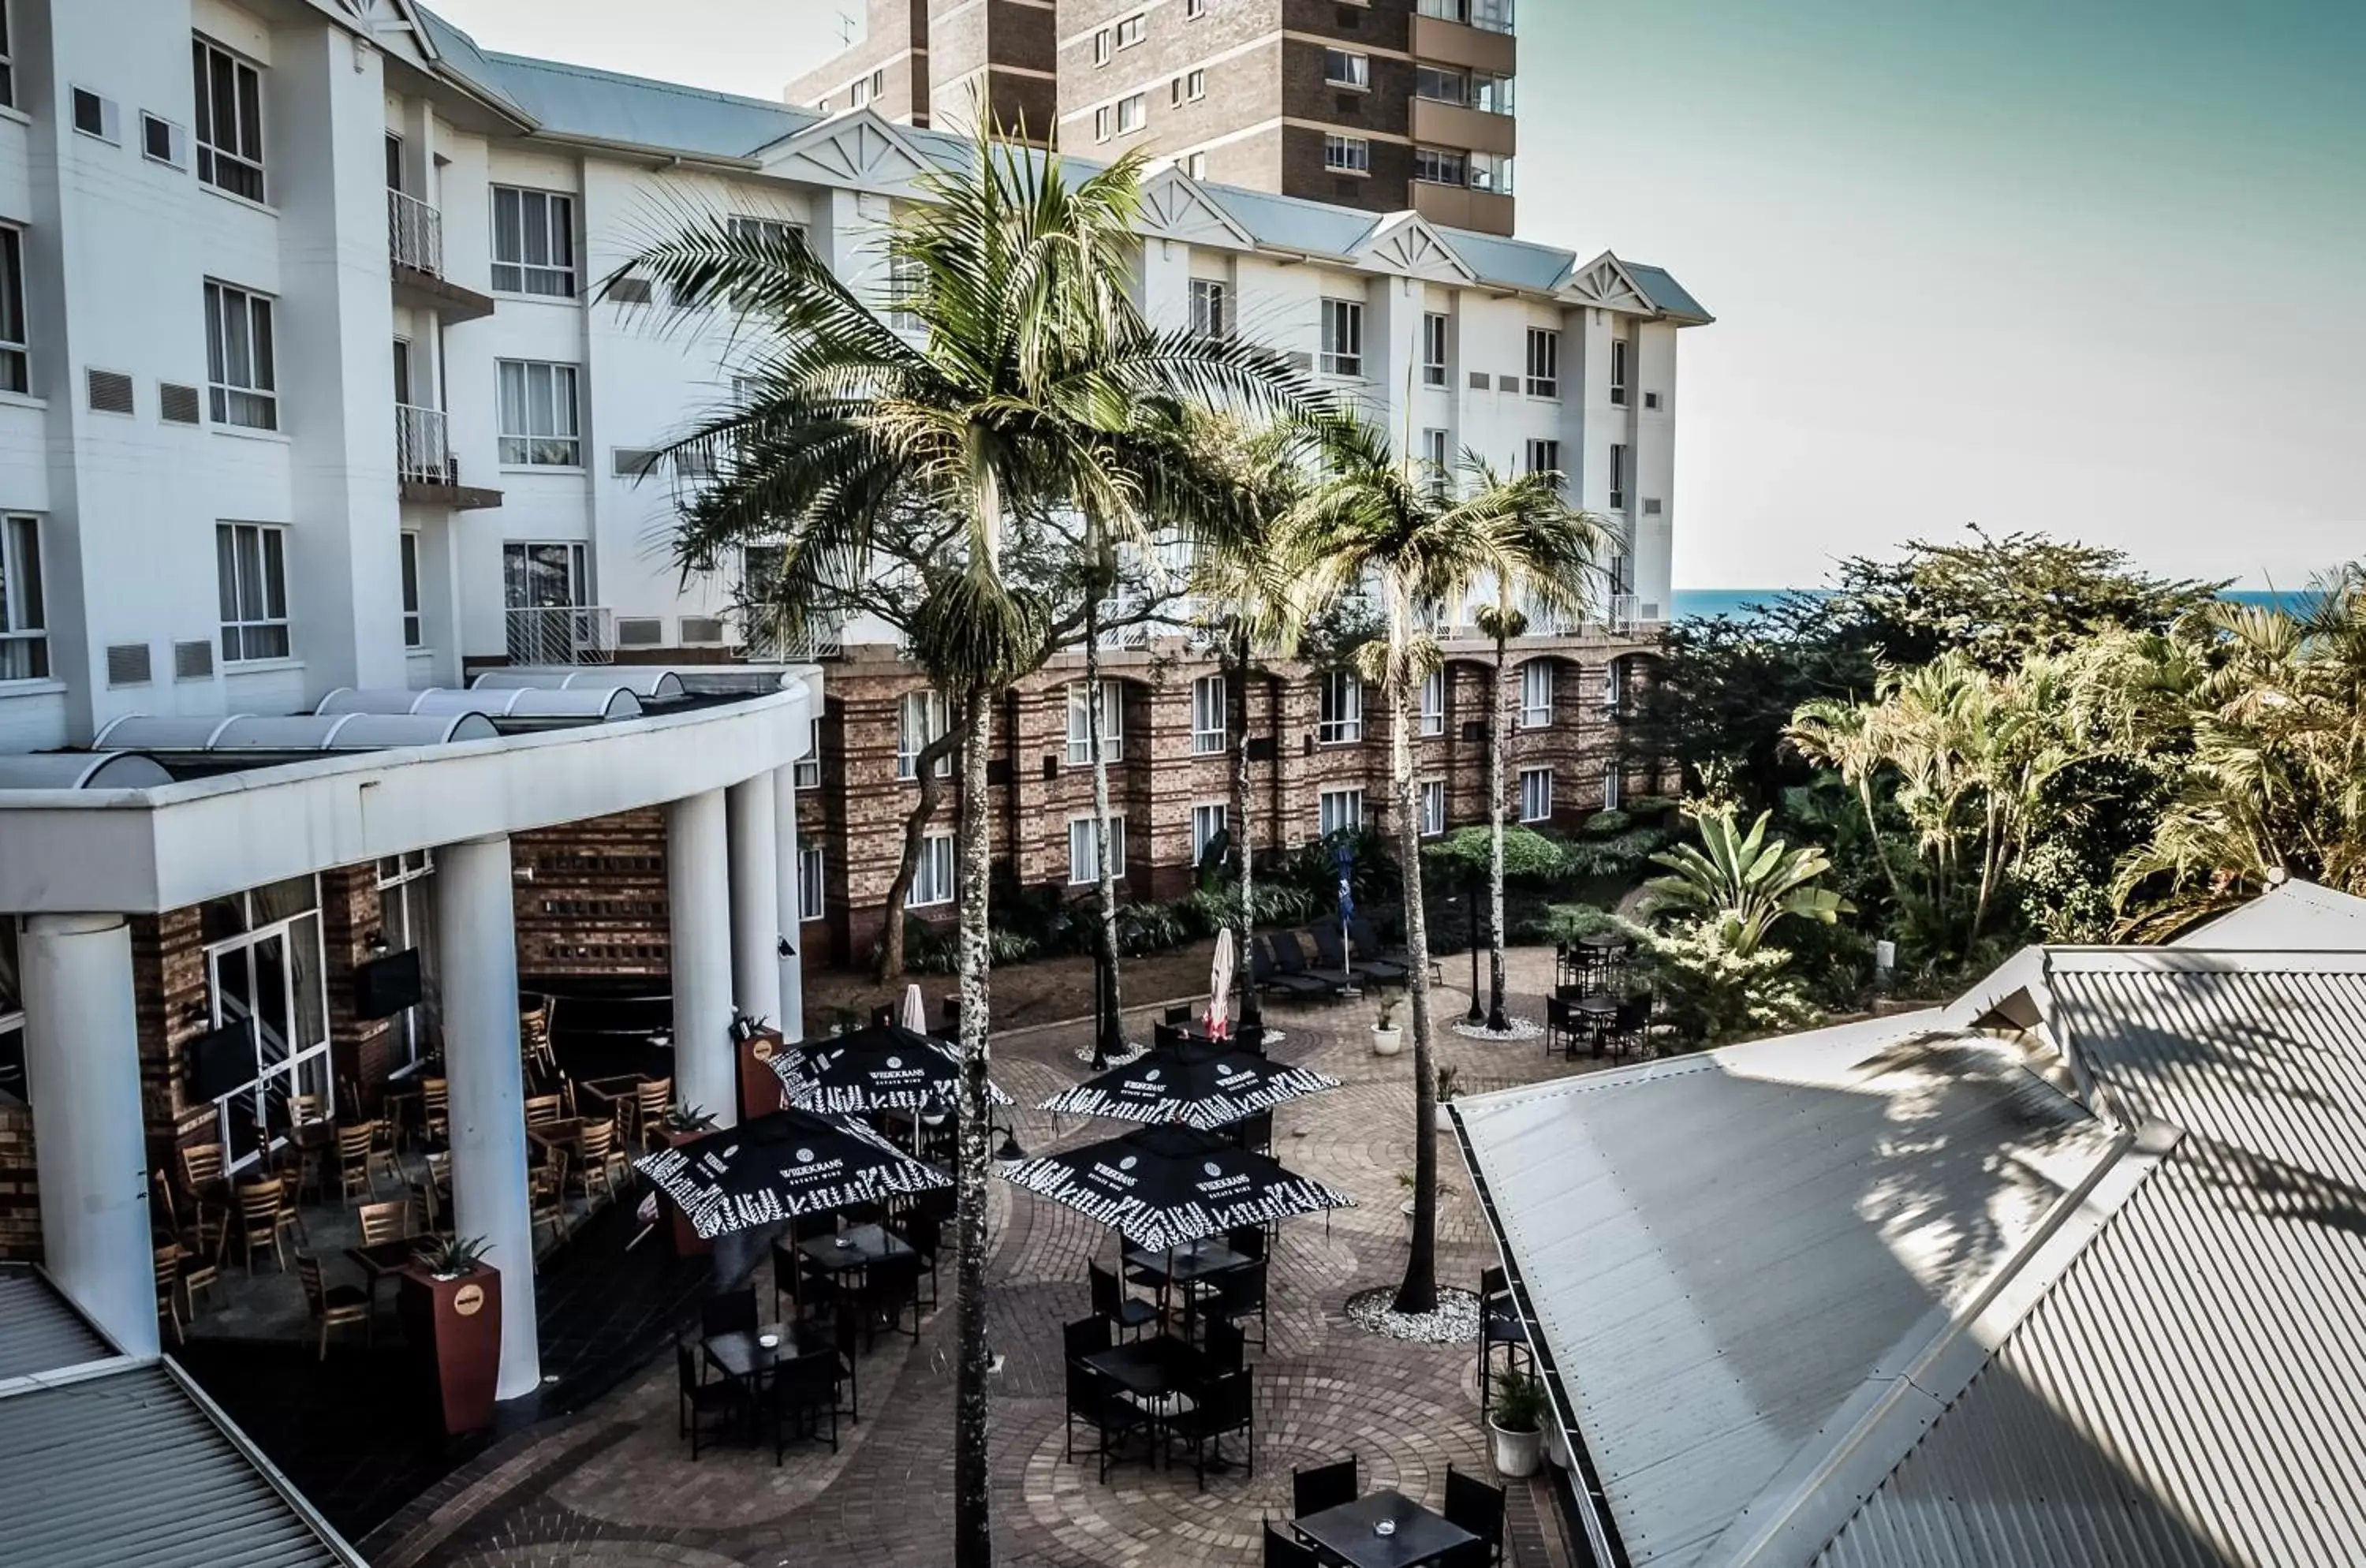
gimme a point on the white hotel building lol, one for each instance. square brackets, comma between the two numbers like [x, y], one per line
[305, 391]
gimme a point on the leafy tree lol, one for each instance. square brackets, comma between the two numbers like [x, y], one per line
[1740, 884]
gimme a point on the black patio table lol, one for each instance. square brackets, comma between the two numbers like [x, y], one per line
[1351, 1532]
[1151, 1369]
[858, 1248]
[1188, 1264]
[742, 1353]
[1598, 1011]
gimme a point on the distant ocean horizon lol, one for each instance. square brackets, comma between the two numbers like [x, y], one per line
[1687, 603]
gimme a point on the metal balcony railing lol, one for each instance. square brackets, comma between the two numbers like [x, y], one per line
[561, 634]
[422, 453]
[415, 233]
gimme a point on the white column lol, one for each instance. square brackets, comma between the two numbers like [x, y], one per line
[755, 898]
[81, 1068]
[698, 894]
[791, 949]
[476, 958]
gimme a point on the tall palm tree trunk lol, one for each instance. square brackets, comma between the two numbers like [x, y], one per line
[973, 1528]
[1499, 745]
[1112, 1032]
[916, 829]
[1418, 1292]
[1243, 845]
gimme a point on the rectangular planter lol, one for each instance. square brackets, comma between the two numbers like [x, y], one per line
[455, 1329]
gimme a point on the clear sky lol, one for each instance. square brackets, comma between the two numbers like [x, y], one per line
[2094, 266]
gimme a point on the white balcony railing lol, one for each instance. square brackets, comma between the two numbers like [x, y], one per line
[422, 452]
[561, 634]
[415, 233]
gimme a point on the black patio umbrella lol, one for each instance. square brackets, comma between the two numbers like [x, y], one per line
[1163, 1186]
[883, 1067]
[780, 1165]
[1198, 1086]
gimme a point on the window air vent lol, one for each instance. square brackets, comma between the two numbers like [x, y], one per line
[1650, 506]
[1647, 611]
[110, 392]
[1479, 382]
[96, 116]
[630, 291]
[193, 661]
[701, 631]
[1651, 399]
[1301, 358]
[640, 631]
[163, 141]
[633, 462]
[127, 664]
[178, 404]
[693, 464]
[1507, 383]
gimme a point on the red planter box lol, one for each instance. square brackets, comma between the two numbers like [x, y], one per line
[455, 1328]
[760, 1089]
[687, 1242]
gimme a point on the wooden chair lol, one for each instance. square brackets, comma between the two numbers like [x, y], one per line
[333, 1306]
[541, 1110]
[168, 1287]
[651, 1101]
[259, 1221]
[383, 1159]
[303, 1110]
[203, 1241]
[435, 1109]
[292, 1206]
[354, 1172]
[201, 1174]
[597, 1162]
[385, 1222]
[547, 1195]
[533, 1039]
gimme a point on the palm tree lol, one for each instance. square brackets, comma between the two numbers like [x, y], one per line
[1568, 541]
[1023, 372]
[1378, 523]
[1741, 884]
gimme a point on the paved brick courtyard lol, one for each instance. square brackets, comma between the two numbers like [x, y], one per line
[612, 1487]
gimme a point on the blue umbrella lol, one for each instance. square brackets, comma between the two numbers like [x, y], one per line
[1346, 894]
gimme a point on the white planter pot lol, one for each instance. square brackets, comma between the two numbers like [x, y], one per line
[1387, 1042]
[1516, 1453]
[1406, 1208]
[1445, 1118]
[1556, 1446]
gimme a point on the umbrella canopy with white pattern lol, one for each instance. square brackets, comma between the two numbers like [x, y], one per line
[1198, 1086]
[780, 1165]
[883, 1067]
[1160, 1187]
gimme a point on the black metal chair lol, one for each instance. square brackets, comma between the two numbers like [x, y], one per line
[888, 1287]
[1368, 941]
[1179, 1015]
[1630, 1027]
[1564, 1026]
[1321, 1486]
[1281, 1552]
[1098, 1401]
[1222, 1405]
[1239, 1294]
[1166, 1036]
[1500, 1326]
[1267, 973]
[1222, 1346]
[804, 1391]
[924, 1234]
[1249, 1039]
[697, 1400]
[1479, 1508]
[1086, 1337]
[733, 1312]
[1249, 1241]
[1126, 1315]
[1253, 1131]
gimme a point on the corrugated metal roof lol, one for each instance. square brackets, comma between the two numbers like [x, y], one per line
[40, 1331]
[1666, 292]
[602, 106]
[1726, 1252]
[126, 1470]
[2299, 917]
[2191, 1391]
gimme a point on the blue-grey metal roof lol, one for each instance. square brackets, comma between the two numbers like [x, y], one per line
[1515, 262]
[601, 105]
[41, 1331]
[127, 1470]
[464, 59]
[1666, 292]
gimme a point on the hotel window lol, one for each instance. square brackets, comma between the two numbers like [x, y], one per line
[1343, 337]
[1100, 46]
[1207, 826]
[921, 717]
[1342, 721]
[414, 624]
[1347, 154]
[1347, 68]
[1536, 795]
[1339, 811]
[932, 878]
[1438, 165]
[1618, 479]
[1614, 684]
[1611, 786]
[1544, 363]
[1129, 31]
[1490, 94]
[810, 870]
[1433, 808]
[1111, 722]
[243, 390]
[1434, 330]
[16, 366]
[7, 60]
[1102, 120]
[1199, 165]
[229, 121]
[251, 565]
[1130, 114]
[1084, 865]
[1618, 370]
[538, 419]
[23, 630]
[1432, 703]
[1441, 86]
[1490, 171]
[1194, 9]
[1209, 703]
[545, 574]
[1536, 695]
[1212, 312]
[1544, 457]
[859, 94]
[1194, 86]
[808, 774]
[534, 242]
[1434, 452]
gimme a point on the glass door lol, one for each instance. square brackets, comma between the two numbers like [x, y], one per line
[270, 974]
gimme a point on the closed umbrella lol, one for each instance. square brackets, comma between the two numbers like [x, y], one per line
[776, 1168]
[916, 1012]
[1160, 1187]
[1198, 1086]
[883, 1067]
[1220, 987]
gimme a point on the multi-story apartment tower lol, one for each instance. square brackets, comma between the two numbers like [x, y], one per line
[1383, 104]
[935, 62]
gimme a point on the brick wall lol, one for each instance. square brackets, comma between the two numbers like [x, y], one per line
[589, 897]
[20, 1201]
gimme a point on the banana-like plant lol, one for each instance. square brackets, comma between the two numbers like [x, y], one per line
[1740, 884]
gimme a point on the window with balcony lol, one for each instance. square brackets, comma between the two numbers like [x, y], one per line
[1618, 371]
[1432, 704]
[1211, 308]
[1536, 695]
[540, 424]
[1207, 828]
[1439, 166]
[1348, 68]
[1210, 707]
[1347, 154]
[415, 624]
[1441, 84]
[921, 717]
[1435, 329]
[1490, 93]
[1491, 172]
[1536, 795]
[229, 120]
[811, 868]
[1110, 719]
[932, 878]
[534, 242]
[251, 569]
[1083, 860]
[15, 361]
[242, 383]
[1619, 477]
[1495, 16]
[546, 575]
[1433, 808]
[1544, 363]
[1341, 718]
[1343, 337]
[1338, 811]
[24, 628]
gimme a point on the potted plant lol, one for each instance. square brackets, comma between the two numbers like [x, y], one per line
[1516, 1423]
[1387, 1038]
[450, 1305]
[1447, 1074]
[680, 1124]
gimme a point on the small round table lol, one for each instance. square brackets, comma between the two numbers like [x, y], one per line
[1598, 1011]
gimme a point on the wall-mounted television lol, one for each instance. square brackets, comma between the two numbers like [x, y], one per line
[223, 1059]
[384, 986]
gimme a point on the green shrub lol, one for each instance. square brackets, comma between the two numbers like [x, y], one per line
[1623, 855]
[1606, 824]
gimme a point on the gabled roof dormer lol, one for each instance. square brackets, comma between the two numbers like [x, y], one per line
[1605, 282]
[1174, 208]
[857, 150]
[1404, 243]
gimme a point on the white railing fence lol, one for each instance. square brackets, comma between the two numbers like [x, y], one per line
[422, 452]
[415, 233]
[561, 634]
